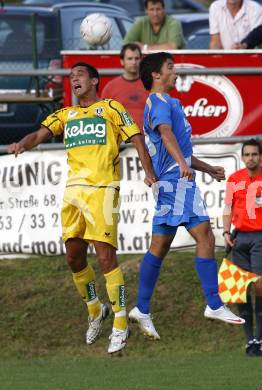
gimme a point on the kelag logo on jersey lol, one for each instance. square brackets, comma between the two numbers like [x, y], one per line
[85, 131]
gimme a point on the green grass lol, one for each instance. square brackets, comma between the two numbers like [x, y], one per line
[209, 371]
[41, 313]
[43, 323]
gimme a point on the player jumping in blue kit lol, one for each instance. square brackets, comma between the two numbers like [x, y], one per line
[178, 198]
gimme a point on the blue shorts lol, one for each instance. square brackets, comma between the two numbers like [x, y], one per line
[167, 230]
[178, 203]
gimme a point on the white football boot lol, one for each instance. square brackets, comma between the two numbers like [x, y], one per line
[223, 313]
[118, 340]
[145, 323]
[95, 325]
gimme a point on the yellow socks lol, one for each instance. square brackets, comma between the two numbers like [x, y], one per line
[116, 293]
[85, 283]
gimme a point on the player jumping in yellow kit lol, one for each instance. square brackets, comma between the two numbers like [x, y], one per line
[93, 132]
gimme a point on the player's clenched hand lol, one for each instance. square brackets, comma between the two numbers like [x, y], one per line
[186, 171]
[150, 180]
[15, 148]
[218, 173]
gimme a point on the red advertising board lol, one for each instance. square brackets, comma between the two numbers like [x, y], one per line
[215, 105]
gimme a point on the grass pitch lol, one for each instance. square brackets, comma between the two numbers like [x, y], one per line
[202, 371]
[43, 323]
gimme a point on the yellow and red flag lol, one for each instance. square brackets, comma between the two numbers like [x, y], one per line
[233, 282]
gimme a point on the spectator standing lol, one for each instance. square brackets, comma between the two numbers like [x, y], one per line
[128, 88]
[231, 20]
[243, 208]
[156, 30]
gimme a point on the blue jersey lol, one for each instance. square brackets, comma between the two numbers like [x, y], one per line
[162, 109]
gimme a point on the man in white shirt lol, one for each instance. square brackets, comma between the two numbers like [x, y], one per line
[231, 20]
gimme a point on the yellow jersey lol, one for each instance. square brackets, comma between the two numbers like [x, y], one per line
[92, 136]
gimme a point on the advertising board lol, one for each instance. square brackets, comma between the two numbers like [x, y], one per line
[216, 105]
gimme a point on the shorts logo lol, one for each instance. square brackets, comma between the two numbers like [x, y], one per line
[85, 131]
[128, 121]
[91, 290]
[122, 296]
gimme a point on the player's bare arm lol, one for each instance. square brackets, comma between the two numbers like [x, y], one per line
[139, 143]
[29, 141]
[217, 172]
[173, 149]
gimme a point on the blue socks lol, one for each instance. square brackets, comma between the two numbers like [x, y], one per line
[148, 275]
[149, 272]
[207, 272]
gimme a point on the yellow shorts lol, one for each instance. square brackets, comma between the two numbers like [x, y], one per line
[90, 213]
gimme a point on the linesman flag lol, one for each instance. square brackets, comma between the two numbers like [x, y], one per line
[233, 282]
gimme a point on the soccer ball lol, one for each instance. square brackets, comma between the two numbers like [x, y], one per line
[96, 29]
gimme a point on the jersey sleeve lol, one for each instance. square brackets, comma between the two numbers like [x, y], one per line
[134, 33]
[256, 17]
[213, 19]
[159, 111]
[55, 122]
[123, 120]
[175, 34]
[230, 190]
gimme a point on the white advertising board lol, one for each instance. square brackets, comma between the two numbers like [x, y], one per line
[31, 192]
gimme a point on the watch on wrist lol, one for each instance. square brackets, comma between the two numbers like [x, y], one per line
[225, 232]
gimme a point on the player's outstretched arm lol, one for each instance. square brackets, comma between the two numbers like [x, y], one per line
[29, 141]
[139, 143]
[217, 172]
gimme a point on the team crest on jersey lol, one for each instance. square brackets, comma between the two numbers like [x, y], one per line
[99, 111]
[72, 114]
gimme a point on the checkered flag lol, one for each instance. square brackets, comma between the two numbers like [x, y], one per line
[233, 282]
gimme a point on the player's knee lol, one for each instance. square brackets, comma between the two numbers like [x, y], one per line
[159, 249]
[209, 244]
[210, 239]
[206, 243]
[206, 237]
[107, 263]
[71, 259]
[76, 262]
